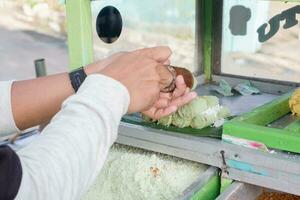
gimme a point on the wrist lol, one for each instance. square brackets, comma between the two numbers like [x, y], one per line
[89, 69]
[77, 77]
[93, 68]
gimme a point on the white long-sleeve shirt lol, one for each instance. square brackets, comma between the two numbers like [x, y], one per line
[65, 159]
[7, 123]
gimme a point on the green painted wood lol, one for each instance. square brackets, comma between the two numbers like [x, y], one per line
[271, 137]
[225, 183]
[80, 38]
[210, 191]
[294, 126]
[207, 13]
[267, 113]
[205, 132]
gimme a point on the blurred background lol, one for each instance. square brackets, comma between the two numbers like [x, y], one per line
[276, 58]
[32, 29]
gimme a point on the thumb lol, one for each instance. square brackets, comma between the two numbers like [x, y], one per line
[166, 76]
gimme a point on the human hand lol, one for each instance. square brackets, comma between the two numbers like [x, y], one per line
[138, 71]
[165, 75]
[98, 66]
[168, 103]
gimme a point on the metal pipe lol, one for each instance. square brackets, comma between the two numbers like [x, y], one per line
[40, 67]
[40, 71]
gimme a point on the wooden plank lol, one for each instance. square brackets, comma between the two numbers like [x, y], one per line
[207, 37]
[210, 191]
[239, 190]
[204, 186]
[284, 185]
[267, 113]
[294, 127]
[80, 38]
[198, 39]
[204, 150]
[270, 169]
[271, 137]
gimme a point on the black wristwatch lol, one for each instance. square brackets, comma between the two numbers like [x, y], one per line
[77, 77]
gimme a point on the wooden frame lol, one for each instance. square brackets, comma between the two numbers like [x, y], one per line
[254, 126]
[80, 38]
[80, 45]
[278, 171]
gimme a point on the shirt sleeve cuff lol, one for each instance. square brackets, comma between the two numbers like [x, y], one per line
[100, 87]
[7, 122]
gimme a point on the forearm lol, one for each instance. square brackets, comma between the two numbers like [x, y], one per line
[36, 101]
[65, 159]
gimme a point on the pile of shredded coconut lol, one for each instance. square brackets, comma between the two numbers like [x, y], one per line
[132, 173]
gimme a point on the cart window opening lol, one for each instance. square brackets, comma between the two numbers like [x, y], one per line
[109, 24]
[152, 23]
[260, 39]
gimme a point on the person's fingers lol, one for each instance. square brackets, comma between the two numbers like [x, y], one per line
[161, 109]
[156, 92]
[187, 76]
[180, 101]
[169, 110]
[165, 112]
[156, 114]
[150, 112]
[162, 103]
[160, 54]
[187, 90]
[165, 95]
[166, 77]
[167, 62]
[180, 87]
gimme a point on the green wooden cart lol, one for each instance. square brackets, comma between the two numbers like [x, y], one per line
[263, 118]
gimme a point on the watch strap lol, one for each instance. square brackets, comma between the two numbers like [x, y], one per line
[77, 77]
